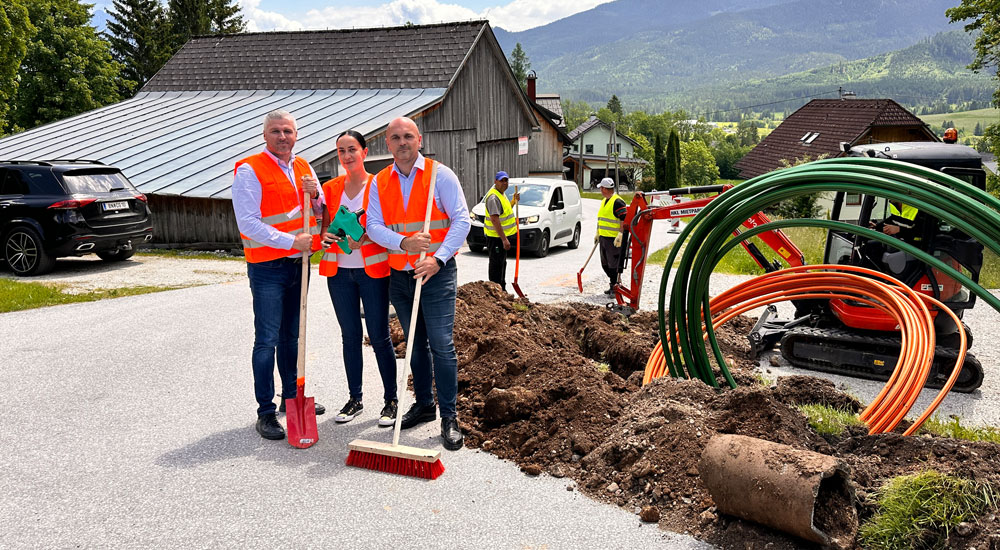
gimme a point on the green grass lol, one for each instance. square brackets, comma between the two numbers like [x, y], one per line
[810, 240]
[918, 511]
[989, 276]
[828, 421]
[953, 428]
[966, 120]
[17, 296]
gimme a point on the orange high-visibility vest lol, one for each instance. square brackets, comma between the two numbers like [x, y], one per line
[375, 256]
[280, 206]
[409, 220]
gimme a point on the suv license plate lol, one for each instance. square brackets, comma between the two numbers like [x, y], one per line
[120, 205]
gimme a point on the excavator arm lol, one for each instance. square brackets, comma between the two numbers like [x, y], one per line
[639, 220]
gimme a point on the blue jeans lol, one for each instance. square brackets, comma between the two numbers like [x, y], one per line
[276, 286]
[433, 336]
[350, 288]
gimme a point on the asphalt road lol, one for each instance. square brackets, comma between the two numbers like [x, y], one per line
[130, 423]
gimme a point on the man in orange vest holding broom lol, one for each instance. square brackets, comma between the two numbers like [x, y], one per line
[396, 211]
[267, 199]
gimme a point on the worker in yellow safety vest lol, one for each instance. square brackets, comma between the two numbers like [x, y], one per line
[609, 231]
[500, 224]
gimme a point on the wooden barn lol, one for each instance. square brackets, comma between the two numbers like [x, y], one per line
[178, 139]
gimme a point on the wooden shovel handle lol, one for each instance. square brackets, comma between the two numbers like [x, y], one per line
[401, 386]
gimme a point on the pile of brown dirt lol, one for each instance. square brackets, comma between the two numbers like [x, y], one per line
[556, 389]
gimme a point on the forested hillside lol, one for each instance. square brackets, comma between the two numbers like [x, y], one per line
[930, 76]
[670, 55]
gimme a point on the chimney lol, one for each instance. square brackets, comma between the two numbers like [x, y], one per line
[531, 85]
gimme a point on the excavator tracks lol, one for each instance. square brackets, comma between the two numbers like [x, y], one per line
[872, 357]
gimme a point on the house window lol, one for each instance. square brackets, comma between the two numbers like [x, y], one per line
[809, 137]
[618, 148]
[589, 149]
[576, 147]
[852, 199]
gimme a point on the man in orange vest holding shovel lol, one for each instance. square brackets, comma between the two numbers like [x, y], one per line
[397, 208]
[267, 199]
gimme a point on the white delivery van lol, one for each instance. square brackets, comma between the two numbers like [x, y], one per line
[550, 214]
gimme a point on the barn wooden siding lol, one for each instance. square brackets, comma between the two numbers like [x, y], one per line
[545, 152]
[184, 222]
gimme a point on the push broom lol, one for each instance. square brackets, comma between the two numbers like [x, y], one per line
[301, 416]
[517, 255]
[396, 458]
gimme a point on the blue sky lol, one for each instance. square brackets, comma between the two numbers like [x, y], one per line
[513, 15]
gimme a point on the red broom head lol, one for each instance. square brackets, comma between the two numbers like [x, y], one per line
[395, 465]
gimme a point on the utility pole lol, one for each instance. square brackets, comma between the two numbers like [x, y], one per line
[614, 150]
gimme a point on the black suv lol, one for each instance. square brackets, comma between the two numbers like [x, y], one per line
[68, 208]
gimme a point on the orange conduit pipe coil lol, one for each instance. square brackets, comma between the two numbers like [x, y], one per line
[908, 308]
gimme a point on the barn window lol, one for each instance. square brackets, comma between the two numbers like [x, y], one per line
[589, 148]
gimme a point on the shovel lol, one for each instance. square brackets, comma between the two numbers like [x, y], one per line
[301, 412]
[579, 276]
[517, 254]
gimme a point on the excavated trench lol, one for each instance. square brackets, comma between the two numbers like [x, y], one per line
[556, 389]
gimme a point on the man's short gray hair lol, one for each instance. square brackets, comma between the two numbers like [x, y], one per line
[279, 114]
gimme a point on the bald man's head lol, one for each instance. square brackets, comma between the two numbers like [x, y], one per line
[404, 140]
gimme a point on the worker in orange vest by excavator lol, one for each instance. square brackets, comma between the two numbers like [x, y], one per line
[268, 191]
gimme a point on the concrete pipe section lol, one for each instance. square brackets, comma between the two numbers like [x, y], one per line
[800, 492]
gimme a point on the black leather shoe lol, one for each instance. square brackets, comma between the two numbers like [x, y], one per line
[418, 414]
[320, 409]
[451, 434]
[268, 427]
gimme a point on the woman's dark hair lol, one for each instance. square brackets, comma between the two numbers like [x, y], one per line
[354, 134]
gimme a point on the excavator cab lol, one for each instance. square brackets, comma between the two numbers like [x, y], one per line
[851, 338]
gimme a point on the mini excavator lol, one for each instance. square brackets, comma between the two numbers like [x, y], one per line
[842, 336]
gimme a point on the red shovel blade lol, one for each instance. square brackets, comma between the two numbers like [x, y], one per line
[579, 280]
[301, 418]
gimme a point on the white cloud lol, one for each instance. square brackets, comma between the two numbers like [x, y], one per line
[397, 12]
[525, 14]
[260, 20]
[514, 16]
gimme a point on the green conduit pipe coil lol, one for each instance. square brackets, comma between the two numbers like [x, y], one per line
[708, 237]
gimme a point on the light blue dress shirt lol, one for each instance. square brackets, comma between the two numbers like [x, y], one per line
[448, 197]
[247, 194]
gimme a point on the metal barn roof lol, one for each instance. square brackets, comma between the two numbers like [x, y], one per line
[187, 143]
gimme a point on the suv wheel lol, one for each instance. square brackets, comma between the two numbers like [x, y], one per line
[116, 255]
[543, 245]
[23, 251]
[575, 243]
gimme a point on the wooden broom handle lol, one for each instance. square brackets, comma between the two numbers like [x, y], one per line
[401, 386]
[300, 363]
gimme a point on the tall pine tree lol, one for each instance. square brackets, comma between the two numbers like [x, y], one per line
[140, 37]
[225, 17]
[67, 69]
[615, 105]
[672, 164]
[188, 18]
[520, 65]
[15, 31]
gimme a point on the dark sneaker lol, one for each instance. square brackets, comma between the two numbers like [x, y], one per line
[320, 409]
[388, 415]
[418, 414]
[451, 434]
[351, 409]
[268, 427]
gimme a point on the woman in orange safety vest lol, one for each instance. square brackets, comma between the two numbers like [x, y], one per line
[360, 277]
